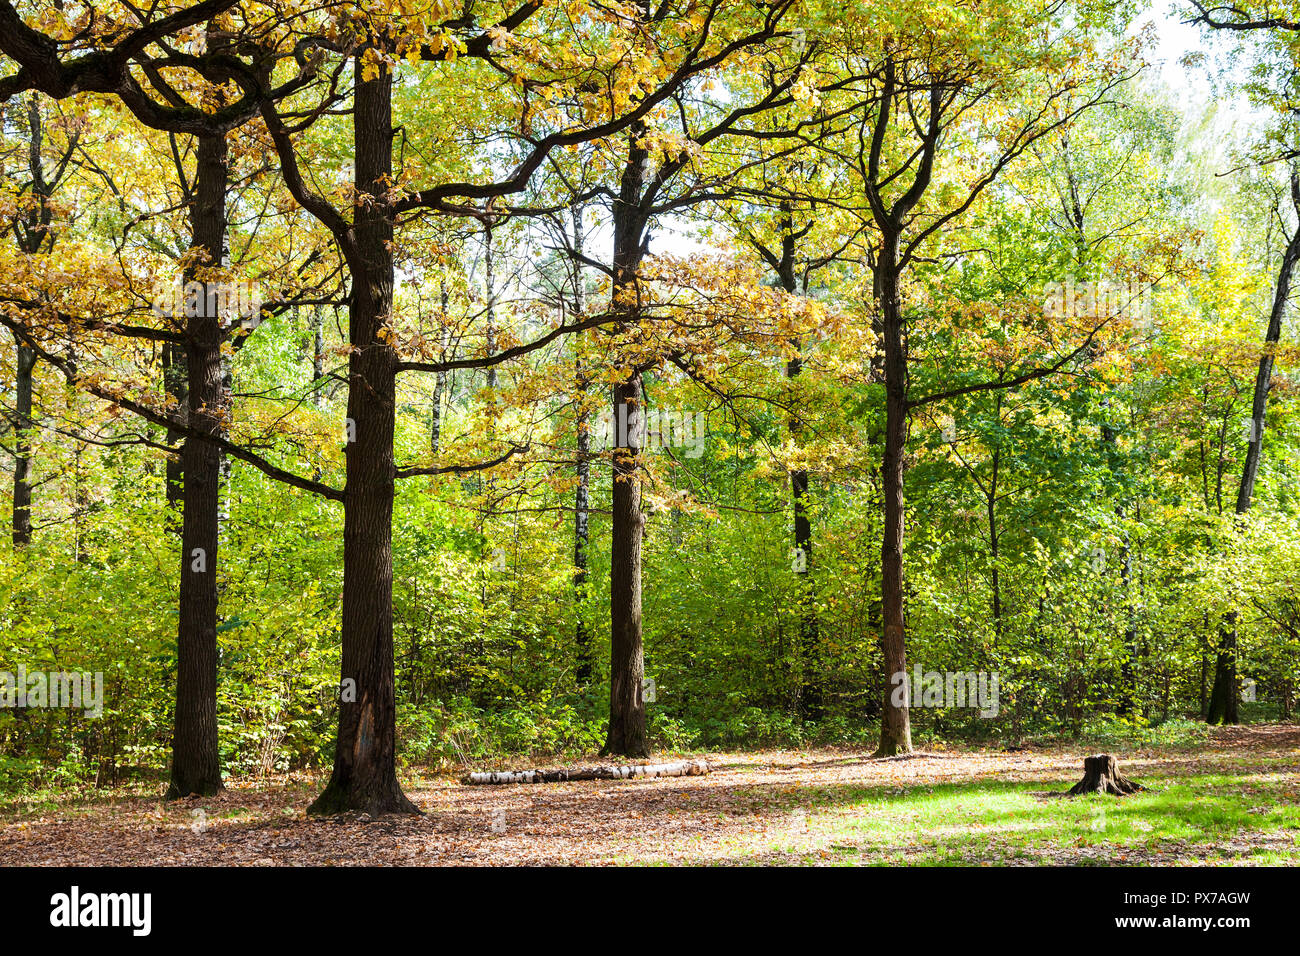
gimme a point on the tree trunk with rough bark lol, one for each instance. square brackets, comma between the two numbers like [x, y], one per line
[365, 771]
[627, 730]
[196, 758]
[895, 724]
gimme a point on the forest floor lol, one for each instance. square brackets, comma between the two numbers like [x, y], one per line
[1230, 798]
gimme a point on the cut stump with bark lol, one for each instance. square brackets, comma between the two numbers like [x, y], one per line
[1101, 775]
[683, 768]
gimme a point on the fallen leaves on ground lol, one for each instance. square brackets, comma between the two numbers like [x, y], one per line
[755, 807]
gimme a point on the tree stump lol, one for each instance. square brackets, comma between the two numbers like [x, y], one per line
[1101, 775]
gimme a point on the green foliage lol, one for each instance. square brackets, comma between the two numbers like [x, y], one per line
[1072, 534]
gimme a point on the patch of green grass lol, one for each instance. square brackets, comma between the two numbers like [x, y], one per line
[1226, 817]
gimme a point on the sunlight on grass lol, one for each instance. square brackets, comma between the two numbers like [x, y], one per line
[1180, 818]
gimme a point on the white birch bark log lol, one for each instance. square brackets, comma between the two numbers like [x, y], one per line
[682, 768]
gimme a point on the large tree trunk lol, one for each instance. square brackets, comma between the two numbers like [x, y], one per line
[196, 759]
[627, 731]
[365, 771]
[895, 723]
